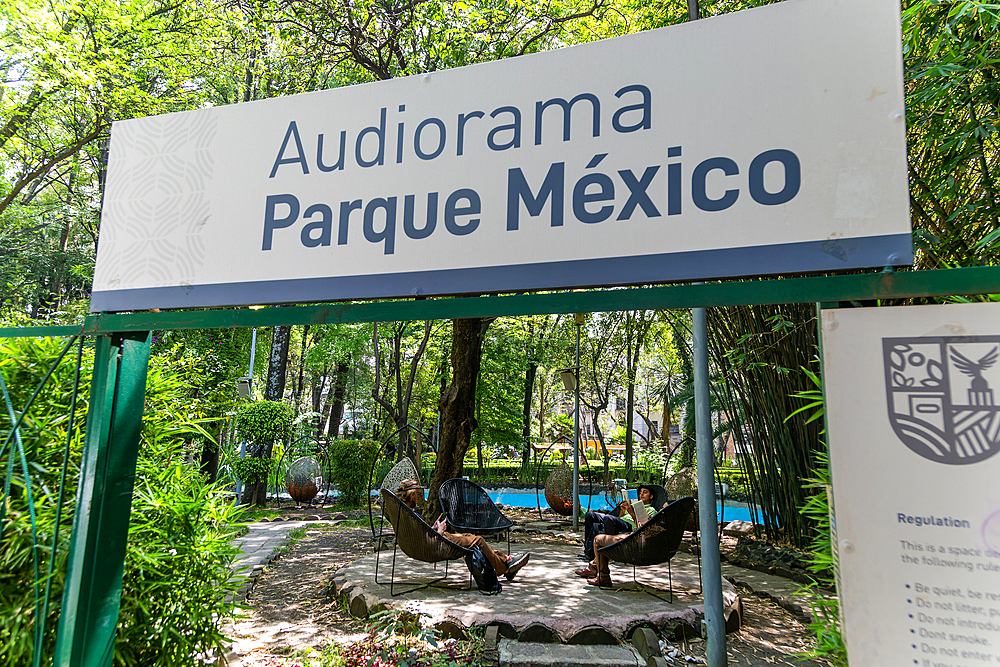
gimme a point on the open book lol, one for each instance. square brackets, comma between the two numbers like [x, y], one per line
[641, 516]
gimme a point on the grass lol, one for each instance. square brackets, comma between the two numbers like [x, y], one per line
[294, 535]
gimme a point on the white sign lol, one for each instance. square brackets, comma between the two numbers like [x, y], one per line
[914, 426]
[765, 141]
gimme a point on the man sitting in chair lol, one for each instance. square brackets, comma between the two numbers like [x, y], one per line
[598, 524]
[412, 494]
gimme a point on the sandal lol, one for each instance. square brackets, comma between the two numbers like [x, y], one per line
[586, 573]
[602, 580]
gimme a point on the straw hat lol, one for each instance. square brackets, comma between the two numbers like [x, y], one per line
[407, 485]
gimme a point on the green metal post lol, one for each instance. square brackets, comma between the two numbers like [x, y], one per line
[104, 501]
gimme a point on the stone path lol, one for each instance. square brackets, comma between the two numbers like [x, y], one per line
[520, 654]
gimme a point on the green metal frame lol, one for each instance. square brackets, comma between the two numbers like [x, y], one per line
[92, 595]
[93, 591]
[887, 285]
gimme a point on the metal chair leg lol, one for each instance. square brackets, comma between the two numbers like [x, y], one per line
[392, 576]
[649, 589]
[670, 582]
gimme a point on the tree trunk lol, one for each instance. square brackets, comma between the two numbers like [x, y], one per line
[541, 412]
[636, 327]
[400, 412]
[337, 408]
[300, 382]
[458, 404]
[665, 429]
[529, 391]
[604, 448]
[256, 494]
[479, 441]
[210, 455]
[629, 437]
[277, 364]
[317, 388]
[418, 447]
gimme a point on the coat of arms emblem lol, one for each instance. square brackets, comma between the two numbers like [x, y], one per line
[940, 395]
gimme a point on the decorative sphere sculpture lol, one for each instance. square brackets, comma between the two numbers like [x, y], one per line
[303, 479]
[559, 490]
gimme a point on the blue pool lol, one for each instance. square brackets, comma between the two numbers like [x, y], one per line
[599, 502]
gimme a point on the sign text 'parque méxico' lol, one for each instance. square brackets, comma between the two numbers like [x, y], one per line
[761, 142]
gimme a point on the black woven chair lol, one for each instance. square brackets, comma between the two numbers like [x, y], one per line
[655, 542]
[469, 509]
[417, 540]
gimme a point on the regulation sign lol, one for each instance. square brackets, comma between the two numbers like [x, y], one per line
[914, 426]
[760, 142]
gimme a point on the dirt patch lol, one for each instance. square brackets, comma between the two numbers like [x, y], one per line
[289, 607]
[769, 636]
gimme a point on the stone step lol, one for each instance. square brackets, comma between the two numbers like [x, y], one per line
[527, 654]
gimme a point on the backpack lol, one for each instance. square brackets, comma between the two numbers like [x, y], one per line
[483, 572]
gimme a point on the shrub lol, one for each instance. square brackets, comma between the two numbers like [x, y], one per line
[650, 463]
[397, 638]
[176, 591]
[351, 462]
[260, 423]
[179, 549]
[252, 470]
[23, 363]
[823, 565]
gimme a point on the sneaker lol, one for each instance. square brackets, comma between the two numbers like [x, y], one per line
[514, 564]
[585, 557]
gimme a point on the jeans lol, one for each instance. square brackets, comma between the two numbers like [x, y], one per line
[598, 523]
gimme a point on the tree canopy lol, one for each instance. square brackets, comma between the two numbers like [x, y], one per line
[70, 69]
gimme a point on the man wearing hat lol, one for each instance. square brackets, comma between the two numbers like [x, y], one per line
[597, 571]
[412, 494]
